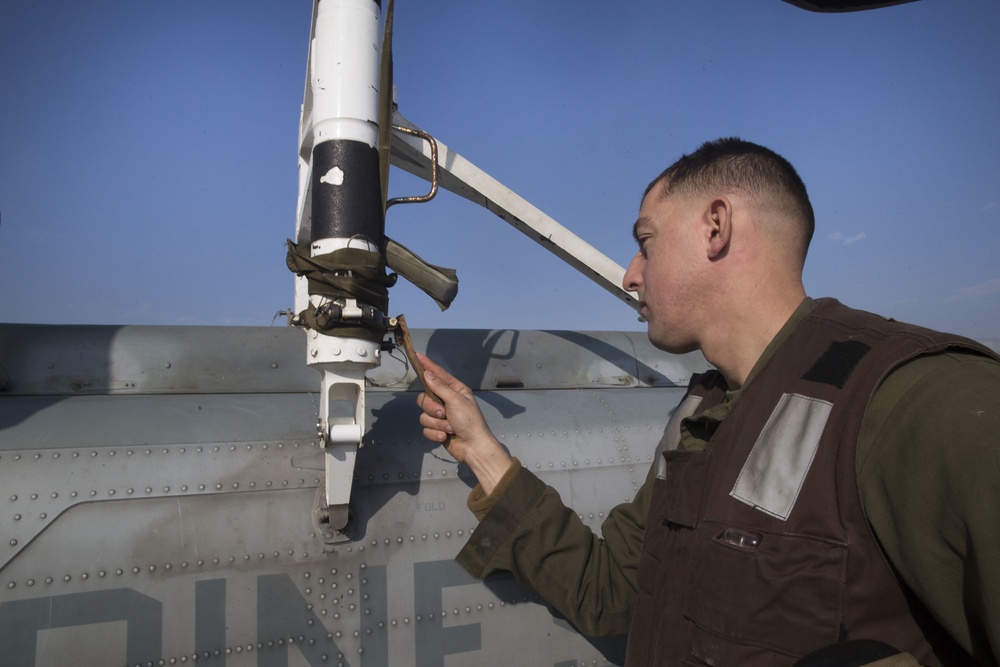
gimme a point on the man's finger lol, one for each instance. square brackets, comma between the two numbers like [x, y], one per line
[435, 436]
[443, 384]
[442, 375]
[429, 405]
[435, 423]
[440, 388]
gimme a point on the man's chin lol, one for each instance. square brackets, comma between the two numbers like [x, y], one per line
[672, 346]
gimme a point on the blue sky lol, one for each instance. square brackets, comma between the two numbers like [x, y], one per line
[148, 150]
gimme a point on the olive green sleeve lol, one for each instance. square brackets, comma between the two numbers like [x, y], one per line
[480, 503]
[590, 579]
[929, 473]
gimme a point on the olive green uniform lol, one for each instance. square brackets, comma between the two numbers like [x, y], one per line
[929, 474]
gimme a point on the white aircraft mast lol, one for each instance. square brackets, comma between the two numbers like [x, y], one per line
[340, 290]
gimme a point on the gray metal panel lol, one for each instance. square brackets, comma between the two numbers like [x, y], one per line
[41, 422]
[89, 360]
[175, 517]
[84, 360]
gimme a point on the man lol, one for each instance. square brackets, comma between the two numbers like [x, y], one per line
[837, 478]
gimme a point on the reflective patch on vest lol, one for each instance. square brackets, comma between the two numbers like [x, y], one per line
[777, 466]
[672, 434]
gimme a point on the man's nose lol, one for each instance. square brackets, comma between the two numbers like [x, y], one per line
[630, 281]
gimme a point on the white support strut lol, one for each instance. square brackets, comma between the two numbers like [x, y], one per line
[460, 176]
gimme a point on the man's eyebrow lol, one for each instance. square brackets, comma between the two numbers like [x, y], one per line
[641, 222]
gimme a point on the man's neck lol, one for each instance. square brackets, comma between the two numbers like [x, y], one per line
[735, 348]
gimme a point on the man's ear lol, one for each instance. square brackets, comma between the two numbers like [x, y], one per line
[719, 221]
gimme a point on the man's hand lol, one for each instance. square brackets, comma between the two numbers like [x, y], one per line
[460, 426]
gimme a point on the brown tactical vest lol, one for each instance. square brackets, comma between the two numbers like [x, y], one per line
[757, 550]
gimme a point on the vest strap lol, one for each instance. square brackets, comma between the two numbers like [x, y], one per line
[672, 434]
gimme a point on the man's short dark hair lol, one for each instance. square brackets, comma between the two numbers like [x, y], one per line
[734, 165]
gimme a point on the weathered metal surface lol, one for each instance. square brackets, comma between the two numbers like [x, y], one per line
[160, 487]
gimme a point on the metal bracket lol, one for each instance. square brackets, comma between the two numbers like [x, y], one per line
[432, 142]
[343, 363]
